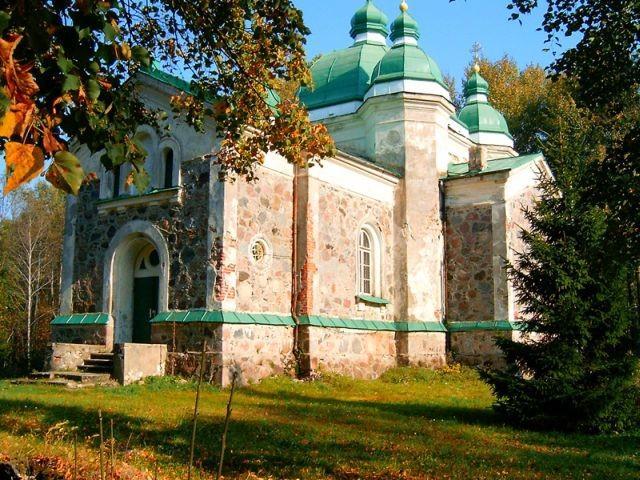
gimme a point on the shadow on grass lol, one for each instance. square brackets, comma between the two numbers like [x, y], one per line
[304, 436]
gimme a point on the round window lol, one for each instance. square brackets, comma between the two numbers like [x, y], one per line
[259, 252]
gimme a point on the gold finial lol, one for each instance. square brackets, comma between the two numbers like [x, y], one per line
[476, 68]
[403, 6]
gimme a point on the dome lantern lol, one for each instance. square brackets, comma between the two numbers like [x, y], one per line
[404, 29]
[369, 24]
[480, 116]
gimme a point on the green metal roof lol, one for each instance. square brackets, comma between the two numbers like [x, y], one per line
[457, 170]
[82, 319]
[217, 316]
[242, 318]
[482, 117]
[342, 76]
[407, 62]
[371, 325]
[498, 326]
[372, 299]
[404, 26]
[478, 114]
[156, 73]
[369, 18]
[476, 85]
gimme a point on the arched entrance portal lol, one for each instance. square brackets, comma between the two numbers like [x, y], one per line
[136, 280]
[146, 284]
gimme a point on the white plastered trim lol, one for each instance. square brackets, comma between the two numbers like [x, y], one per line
[334, 111]
[407, 86]
[372, 37]
[490, 138]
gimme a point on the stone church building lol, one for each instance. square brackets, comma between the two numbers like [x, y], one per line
[391, 253]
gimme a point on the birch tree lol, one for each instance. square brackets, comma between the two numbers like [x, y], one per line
[33, 248]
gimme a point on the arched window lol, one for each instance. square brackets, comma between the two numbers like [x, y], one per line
[168, 166]
[117, 173]
[368, 262]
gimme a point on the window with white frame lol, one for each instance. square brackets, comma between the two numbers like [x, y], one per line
[368, 262]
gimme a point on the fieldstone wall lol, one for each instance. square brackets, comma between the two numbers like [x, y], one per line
[184, 226]
[426, 349]
[82, 334]
[187, 337]
[478, 348]
[469, 262]
[256, 352]
[265, 211]
[356, 353]
[341, 215]
[67, 357]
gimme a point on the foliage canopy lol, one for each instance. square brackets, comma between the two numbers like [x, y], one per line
[66, 65]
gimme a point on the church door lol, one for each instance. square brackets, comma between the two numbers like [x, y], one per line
[146, 285]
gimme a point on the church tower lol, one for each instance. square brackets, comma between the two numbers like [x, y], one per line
[388, 103]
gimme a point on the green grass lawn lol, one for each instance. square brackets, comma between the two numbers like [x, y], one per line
[410, 424]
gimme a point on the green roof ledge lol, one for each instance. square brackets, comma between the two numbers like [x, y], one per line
[461, 170]
[270, 319]
[81, 319]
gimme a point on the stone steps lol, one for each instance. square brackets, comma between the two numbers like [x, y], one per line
[66, 379]
[101, 363]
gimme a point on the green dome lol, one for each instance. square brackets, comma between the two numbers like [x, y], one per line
[369, 18]
[404, 26]
[478, 114]
[482, 117]
[476, 85]
[342, 76]
[407, 62]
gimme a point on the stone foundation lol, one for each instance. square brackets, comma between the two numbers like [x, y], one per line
[66, 357]
[356, 353]
[478, 348]
[256, 352]
[82, 334]
[427, 349]
[187, 337]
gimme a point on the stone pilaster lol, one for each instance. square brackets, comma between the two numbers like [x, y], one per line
[68, 255]
[222, 240]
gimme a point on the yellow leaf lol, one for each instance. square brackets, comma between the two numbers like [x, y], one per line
[16, 120]
[24, 162]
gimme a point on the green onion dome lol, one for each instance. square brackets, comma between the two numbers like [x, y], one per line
[406, 60]
[369, 18]
[478, 114]
[405, 25]
[345, 75]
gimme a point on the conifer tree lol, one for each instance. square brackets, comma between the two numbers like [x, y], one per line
[575, 370]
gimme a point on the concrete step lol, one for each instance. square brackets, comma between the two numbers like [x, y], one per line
[107, 368]
[56, 382]
[69, 379]
[40, 375]
[102, 356]
[99, 362]
[84, 377]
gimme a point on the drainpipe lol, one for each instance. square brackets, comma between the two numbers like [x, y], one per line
[294, 272]
[443, 220]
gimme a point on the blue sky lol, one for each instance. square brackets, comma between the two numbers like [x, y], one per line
[448, 30]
